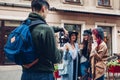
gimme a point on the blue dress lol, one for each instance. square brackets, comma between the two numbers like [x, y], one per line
[70, 60]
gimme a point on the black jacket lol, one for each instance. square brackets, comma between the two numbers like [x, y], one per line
[45, 44]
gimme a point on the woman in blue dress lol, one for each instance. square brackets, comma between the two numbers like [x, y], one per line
[70, 58]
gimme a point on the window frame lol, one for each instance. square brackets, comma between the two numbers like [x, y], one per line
[81, 23]
[114, 34]
[103, 3]
[72, 1]
[80, 2]
[108, 37]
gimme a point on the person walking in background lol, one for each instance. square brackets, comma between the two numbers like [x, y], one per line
[98, 54]
[70, 58]
[45, 44]
[85, 53]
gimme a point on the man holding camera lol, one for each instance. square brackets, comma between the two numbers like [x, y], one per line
[45, 44]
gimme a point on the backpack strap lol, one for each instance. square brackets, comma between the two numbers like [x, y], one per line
[32, 24]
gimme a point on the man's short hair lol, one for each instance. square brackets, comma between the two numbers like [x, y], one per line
[37, 4]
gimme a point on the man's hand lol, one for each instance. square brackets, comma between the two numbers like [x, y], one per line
[31, 64]
[67, 47]
[93, 51]
[94, 45]
[65, 31]
[81, 46]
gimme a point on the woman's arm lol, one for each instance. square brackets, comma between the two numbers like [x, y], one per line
[67, 52]
[100, 52]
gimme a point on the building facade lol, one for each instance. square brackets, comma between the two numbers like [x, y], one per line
[72, 14]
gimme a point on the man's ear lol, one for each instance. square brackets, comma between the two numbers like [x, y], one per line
[43, 9]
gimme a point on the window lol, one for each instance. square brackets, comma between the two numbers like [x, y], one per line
[69, 27]
[104, 2]
[74, 27]
[108, 37]
[72, 1]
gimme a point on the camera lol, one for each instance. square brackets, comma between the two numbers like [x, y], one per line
[62, 38]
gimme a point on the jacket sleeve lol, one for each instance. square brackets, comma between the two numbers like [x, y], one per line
[67, 55]
[101, 52]
[57, 29]
[55, 55]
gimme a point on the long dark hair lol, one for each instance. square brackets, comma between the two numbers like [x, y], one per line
[89, 41]
[70, 34]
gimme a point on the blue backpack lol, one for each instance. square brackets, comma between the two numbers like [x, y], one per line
[19, 47]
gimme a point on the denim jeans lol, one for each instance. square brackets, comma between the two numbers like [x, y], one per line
[101, 78]
[37, 76]
[84, 67]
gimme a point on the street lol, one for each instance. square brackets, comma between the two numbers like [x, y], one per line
[13, 72]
